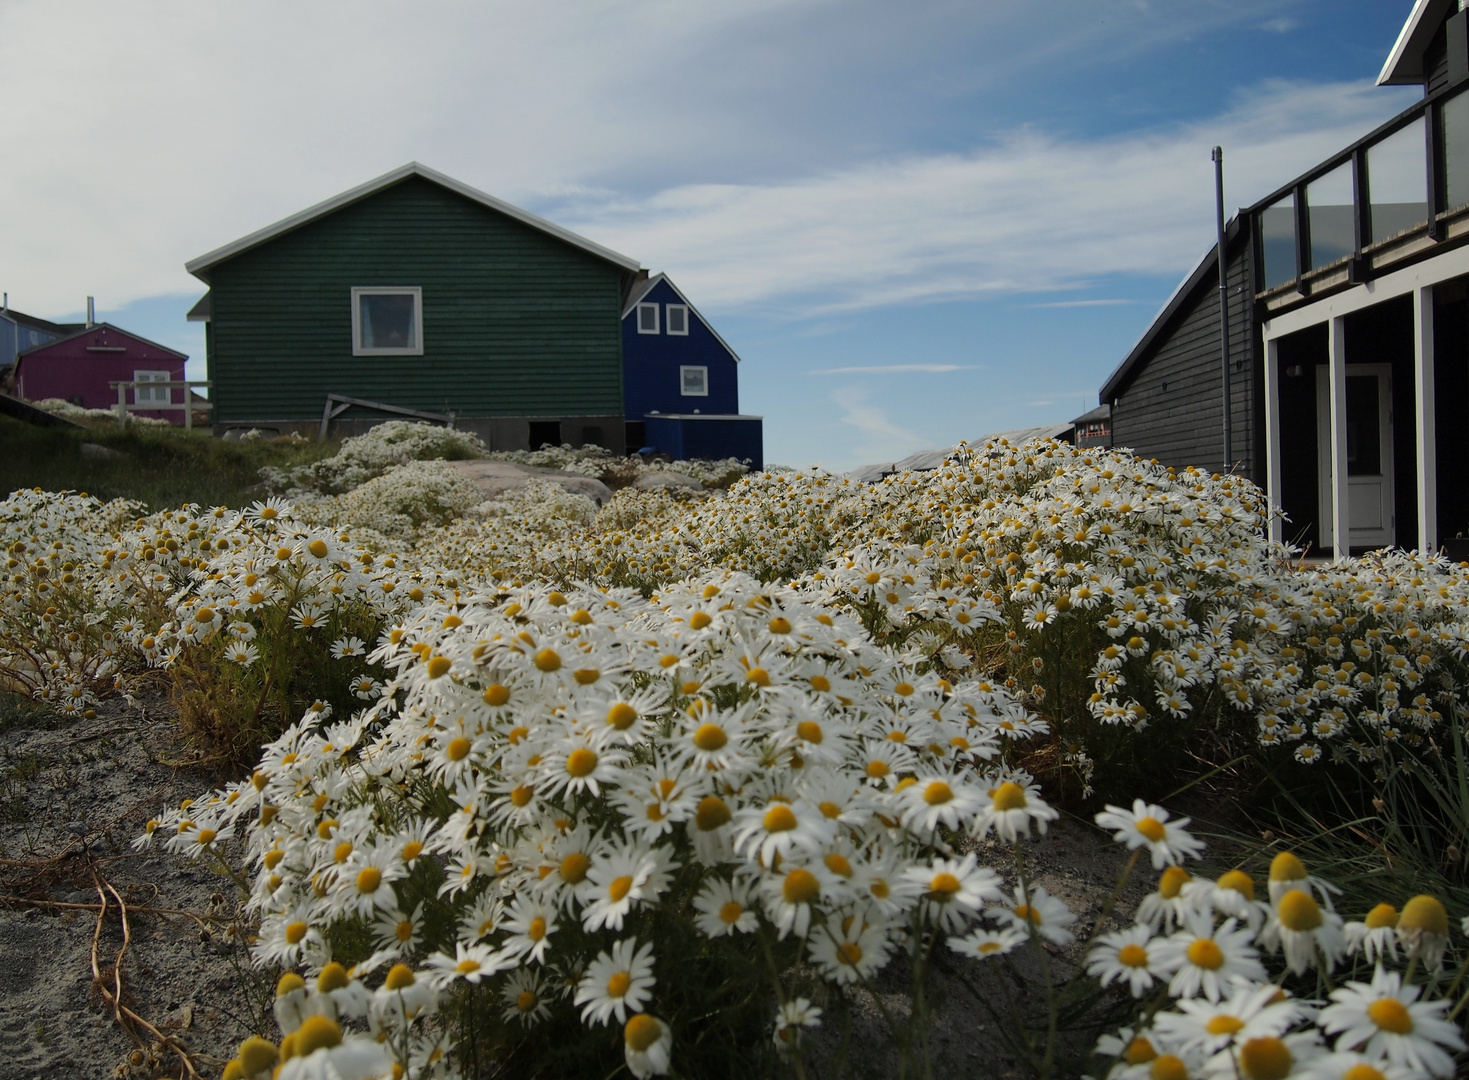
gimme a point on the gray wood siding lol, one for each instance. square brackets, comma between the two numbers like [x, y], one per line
[515, 322]
[1170, 409]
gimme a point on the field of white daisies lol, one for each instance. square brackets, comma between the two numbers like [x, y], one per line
[674, 786]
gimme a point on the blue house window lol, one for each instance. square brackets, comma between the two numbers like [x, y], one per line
[693, 381]
[647, 318]
[678, 320]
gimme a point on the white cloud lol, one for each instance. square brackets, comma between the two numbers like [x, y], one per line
[880, 438]
[896, 369]
[1083, 303]
[1032, 212]
[139, 136]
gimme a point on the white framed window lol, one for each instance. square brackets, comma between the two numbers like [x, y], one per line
[387, 321]
[152, 395]
[647, 318]
[693, 381]
[678, 319]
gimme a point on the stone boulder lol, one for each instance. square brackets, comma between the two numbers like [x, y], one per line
[494, 478]
[666, 481]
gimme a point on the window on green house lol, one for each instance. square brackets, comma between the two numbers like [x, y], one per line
[387, 321]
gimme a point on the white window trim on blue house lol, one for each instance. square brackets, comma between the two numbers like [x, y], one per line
[360, 291]
[647, 318]
[685, 371]
[683, 320]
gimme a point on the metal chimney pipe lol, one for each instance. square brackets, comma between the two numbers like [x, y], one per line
[91, 313]
[1218, 156]
[5, 302]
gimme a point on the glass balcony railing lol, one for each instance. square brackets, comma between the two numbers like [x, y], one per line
[1319, 219]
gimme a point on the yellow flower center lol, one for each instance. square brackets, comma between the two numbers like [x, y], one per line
[1287, 867]
[537, 929]
[412, 850]
[711, 813]
[1265, 1058]
[641, 1032]
[1172, 881]
[1223, 1025]
[1298, 910]
[400, 977]
[548, 660]
[439, 666]
[1392, 1015]
[937, 792]
[332, 977]
[586, 676]
[779, 818]
[1425, 914]
[574, 868]
[1139, 1052]
[496, 695]
[1009, 796]
[369, 879]
[1132, 956]
[206, 836]
[699, 619]
[877, 769]
[467, 967]
[800, 887]
[1152, 829]
[1382, 916]
[257, 1055]
[730, 912]
[581, 762]
[403, 931]
[525, 1001]
[820, 683]
[1239, 881]
[757, 676]
[810, 731]
[619, 888]
[619, 984]
[1167, 1067]
[780, 626]
[838, 864]
[316, 1033]
[1028, 913]
[849, 953]
[522, 795]
[459, 749]
[1205, 953]
[710, 737]
[295, 932]
[1362, 1071]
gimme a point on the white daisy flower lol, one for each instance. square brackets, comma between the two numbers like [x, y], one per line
[1038, 912]
[647, 1044]
[1203, 959]
[616, 983]
[790, 1018]
[1387, 1019]
[1012, 807]
[1146, 825]
[847, 948]
[955, 890]
[1124, 956]
[1376, 936]
[725, 908]
[982, 944]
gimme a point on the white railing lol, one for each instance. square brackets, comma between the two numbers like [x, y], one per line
[123, 407]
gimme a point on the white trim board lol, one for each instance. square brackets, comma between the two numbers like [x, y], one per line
[199, 267]
[1450, 264]
[648, 286]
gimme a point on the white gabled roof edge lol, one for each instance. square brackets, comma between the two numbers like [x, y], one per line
[1422, 24]
[647, 286]
[200, 266]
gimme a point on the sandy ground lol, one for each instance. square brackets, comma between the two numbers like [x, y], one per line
[72, 798]
[74, 795]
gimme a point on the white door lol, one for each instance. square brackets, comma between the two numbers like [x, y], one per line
[1369, 455]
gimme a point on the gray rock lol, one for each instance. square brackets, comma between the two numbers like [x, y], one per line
[495, 478]
[96, 450]
[666, 481]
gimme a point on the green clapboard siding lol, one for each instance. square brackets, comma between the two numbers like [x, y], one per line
[515, 321]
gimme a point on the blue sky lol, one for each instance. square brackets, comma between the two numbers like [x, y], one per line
[916, 223]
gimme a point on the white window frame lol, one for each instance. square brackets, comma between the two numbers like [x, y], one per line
[647, 307]
[683, 308]
[151, 395]
[359, 291]
[683, 385]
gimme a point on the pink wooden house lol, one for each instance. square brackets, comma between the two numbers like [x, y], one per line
[80, 367]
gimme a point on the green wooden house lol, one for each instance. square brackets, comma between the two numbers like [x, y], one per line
[425, 297]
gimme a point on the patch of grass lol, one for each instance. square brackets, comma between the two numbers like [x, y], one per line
[21, 711]
[161, 467]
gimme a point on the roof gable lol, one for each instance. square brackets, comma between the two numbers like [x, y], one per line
[1404, 66]
[643, 289]
[19, 318]
[200, 267]
[105, 328]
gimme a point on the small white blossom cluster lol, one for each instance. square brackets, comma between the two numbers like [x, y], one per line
[593, 460]
[726, 754]
[364, 457]
[62, 407]
[1197, 956]
[401, 503]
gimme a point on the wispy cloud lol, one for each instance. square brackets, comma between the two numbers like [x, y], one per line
[896, 369]
[1283, 25]
[1082, 303]
[880, 437]
[1030, 212]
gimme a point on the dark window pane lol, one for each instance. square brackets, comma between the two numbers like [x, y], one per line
[1278, 239]
[387, 322]
[1456, 151]
[1364, 434]
[1397, 178]
[1329, 203]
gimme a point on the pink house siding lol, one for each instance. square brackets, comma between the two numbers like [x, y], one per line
[84, 363]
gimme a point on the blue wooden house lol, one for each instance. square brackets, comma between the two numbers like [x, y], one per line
[680, 380]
